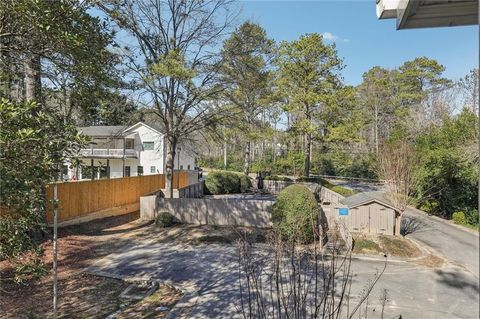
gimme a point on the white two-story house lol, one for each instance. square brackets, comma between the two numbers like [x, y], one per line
[122, 151]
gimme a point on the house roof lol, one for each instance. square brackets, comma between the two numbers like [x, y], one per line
[366, 198]
[114, 130]
[148, 126]
[101, 130]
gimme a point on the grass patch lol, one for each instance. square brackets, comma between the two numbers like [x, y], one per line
[336, 188]
[366, 246]
[384, 244]
[400, 247]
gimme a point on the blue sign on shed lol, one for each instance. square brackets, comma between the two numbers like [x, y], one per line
[343, 211]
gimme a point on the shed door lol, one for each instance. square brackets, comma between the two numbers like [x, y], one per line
[381, 219]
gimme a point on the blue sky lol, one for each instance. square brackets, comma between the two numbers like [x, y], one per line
[362, 40]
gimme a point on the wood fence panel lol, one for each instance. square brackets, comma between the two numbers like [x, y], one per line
[78, 199]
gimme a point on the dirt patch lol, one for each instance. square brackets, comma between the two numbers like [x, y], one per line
[431, 261]
[80, 295]
[157, 305]
[390, 245]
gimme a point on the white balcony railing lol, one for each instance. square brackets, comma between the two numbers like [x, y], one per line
[108, 153]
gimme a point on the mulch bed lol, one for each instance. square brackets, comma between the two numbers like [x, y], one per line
[80, 295]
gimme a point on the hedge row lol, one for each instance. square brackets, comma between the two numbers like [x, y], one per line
[221, 182]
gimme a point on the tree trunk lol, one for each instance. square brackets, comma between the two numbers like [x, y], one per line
[225, 154]
[171, 142]
[32, 78]
[308, 141]
[246, 159]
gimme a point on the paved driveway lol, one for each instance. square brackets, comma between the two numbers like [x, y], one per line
[211, 271]
[458, 245]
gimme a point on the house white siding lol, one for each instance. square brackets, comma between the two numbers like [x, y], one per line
[108, 151]
[148, 158]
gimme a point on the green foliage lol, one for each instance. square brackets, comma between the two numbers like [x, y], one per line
[173, 65]
[73, 46]
[459, 218]
[249, 80]
[34, 143]
[164, 219]
[308, 76]
[295, 213]
[16, 235]
[245, 183]
[31, 269]
[222, 182]
[446, 180]
[337, 189]
[345, 164]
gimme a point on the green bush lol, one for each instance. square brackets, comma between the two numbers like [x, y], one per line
[295, 213]
[15, 236]
[278, 178]
[222, 182]
[164, 219]
[471, 214]
[459, 218]
[245, 183]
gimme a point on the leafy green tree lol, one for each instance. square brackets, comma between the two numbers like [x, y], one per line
[308, 78]
[34, 144]
[446, 180]
[55, 50]
[247, 77]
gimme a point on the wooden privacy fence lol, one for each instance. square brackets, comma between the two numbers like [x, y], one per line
[116, 195]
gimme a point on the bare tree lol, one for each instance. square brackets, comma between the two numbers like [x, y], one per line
[287, 279]
[469, 86]
[397, 162]
[173, 61]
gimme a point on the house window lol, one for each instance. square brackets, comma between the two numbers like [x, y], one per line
[139, 170]
[148, 146]
[181, 167]
[127, 171]
[188, 167]
[152, 169]
[129, 144]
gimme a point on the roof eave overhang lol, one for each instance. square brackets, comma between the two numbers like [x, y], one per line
[414, 14]
[371, 201]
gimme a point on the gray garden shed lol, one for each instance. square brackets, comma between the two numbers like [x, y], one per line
[369, 212]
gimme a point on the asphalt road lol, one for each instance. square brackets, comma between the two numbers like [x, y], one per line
[211, 273]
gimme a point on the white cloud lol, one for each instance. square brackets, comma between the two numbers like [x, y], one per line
[328, 36]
